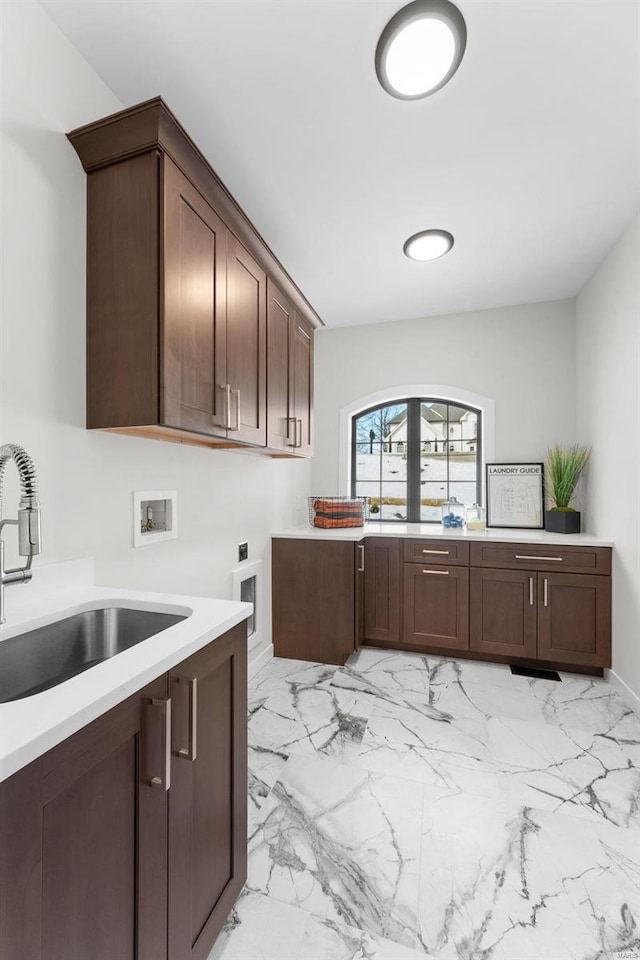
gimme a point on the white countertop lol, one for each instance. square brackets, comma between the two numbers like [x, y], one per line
[436, 531]
[30, 727]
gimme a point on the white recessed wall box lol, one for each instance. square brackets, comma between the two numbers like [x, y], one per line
[155, 516]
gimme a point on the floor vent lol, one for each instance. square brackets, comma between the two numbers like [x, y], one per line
[536, 674]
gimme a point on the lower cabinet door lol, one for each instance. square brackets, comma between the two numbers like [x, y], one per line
[208, 795]
[503, 612]
[436, 606]
[83, 841]
[382, 568]
[574, 619]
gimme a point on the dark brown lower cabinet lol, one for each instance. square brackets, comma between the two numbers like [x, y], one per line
[98, 859]
[439, 596]
[574, 619]
[503, 612]
[561, 618]
[313, 597]
[208, 795]
[382, 576]
[436, 606]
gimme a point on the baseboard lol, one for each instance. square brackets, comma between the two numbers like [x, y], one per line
[630, 698]
[259, 661]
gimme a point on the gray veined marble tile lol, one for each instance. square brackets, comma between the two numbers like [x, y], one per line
[309, 720]
[342, 844]
[569, 770]
[384, 672]
[413, 676]
[281, 675]
[469, 699]
[328, 940]
[265, 766]
[435, 733]
[259, 928]
[505, 882]
[586, 703]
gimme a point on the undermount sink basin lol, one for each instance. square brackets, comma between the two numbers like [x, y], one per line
[49, 655]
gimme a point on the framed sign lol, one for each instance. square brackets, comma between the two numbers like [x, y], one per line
[515, 495]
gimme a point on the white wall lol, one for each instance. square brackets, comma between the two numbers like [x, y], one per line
[521, 357]
[608, 383]
[86, 479]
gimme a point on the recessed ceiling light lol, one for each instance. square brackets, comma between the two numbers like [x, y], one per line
[420, 48]
[428, 245]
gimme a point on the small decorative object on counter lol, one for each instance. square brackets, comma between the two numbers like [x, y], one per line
[453, 514]
[333, 512]
[476, 517]
[563, 470]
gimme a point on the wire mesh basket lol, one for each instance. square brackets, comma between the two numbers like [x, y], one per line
[333, 512]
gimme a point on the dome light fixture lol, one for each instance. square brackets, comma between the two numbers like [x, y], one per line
[428, 245]
[420, 48]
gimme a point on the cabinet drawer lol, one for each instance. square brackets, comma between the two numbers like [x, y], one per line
[437, 551]
[542, 557]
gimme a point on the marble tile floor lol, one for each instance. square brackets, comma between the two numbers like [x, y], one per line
[408, 806]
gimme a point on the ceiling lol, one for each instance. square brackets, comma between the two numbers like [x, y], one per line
[530, 155]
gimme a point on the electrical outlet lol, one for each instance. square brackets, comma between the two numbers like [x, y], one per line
[243, 551]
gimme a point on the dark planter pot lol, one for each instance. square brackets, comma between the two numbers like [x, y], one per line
[562, 521]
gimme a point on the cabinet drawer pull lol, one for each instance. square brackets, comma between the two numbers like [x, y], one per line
[361, 566]
[164, 706]
[546, 592]
[438, 573]
[444, 553]
[525, 556]
[530, 591]
[189, 752]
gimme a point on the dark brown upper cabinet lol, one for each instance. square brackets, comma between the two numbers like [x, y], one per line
[182, 340]
[290, 377]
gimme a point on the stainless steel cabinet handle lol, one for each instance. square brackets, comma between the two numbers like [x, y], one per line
[525, 556]
[236, 394]
[190, 752]
[227, 408]
[289, 442]
[546, 592]
[444, 553]
[361, 566]
[164, 780]
[299, 443]
[530, 591]
[438, 573]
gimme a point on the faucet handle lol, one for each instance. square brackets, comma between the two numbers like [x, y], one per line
[29, 534]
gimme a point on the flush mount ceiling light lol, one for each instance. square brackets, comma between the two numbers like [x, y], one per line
[420, 48]
[428, 245]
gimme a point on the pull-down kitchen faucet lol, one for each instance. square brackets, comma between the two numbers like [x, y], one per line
[28, 522]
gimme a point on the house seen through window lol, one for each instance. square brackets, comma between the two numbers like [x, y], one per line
[409, 456]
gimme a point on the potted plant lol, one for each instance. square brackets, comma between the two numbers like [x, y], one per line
[563, 469]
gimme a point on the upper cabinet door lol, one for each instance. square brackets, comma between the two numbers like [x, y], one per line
[246, 345]
[194, 391]
[303, 386]
[280, 328]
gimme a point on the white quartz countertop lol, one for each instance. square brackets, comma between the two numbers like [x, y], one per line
[30, 727]
[435, 531]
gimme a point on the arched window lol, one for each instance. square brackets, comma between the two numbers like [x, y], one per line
[409, 456]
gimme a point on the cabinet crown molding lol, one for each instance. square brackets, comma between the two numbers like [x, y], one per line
[152, 125]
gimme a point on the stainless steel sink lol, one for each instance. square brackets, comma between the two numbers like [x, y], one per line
[43, 658]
